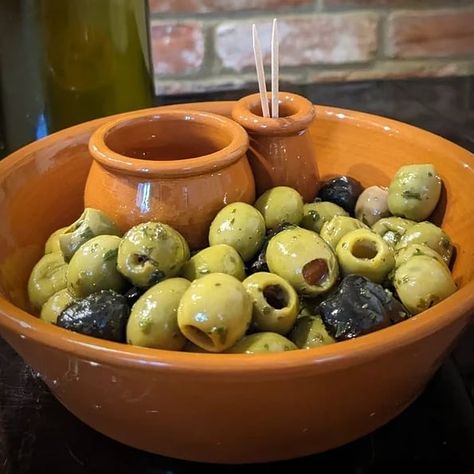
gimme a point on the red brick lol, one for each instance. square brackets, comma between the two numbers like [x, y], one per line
[330, 39]
[430, 34]
[205, 6]
[177, 48]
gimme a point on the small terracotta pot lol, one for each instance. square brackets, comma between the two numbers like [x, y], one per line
[175, 166]
[281, 152]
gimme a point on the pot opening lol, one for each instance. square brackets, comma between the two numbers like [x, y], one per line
[285, 109]
[160, 138]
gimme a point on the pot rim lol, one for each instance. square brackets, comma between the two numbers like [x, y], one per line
[303, 113]
[222, 158]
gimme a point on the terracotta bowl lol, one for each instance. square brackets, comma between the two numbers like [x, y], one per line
[234, 408]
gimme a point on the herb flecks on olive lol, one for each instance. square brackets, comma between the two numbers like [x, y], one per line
[103, 315]
[291, 250]
[275, 302]
[150, 252]
[343, 191]
[153, 321]
[280, 205]
[315, 214]
[91, 223]
[414, 192]
[309, 332]
[333, 230]
[215, 312]
[241, 226]
[391, 229]
[55, 305]
[262, 342]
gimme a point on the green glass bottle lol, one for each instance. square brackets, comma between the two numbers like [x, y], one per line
[96, 59]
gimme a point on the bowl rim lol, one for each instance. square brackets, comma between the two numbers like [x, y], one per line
[219, 159]
[322, 359]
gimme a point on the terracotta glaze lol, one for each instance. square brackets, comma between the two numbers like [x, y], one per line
[178, 167]
[281, 151]
[235, 408]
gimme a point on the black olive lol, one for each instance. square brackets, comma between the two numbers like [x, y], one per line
[359, 306]
[259, 264]
[343, 191]
[133, 294]
[103, 314]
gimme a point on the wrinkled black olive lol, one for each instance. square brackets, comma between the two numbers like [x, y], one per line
[103, 314]
[133, 294]
[359, 306]
[259, 264]
[342, 191]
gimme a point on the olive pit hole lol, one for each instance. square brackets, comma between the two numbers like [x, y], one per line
[315, 271]
[276, 296]
[199, 337]
[364, 249]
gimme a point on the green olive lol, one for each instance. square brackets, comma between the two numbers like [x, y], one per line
[150, 252]
[280, 205]
[153, 321]
[414, 192]
[363, 252]
[219, 258]
[215, 312]
[275, 302]
[241, 226]
[55, 305]
[392, 228]
[372, 205]
[52, 244]
[333, 230]
[91, 223]
[414, 250]
[315, 214]
[262, 342]
[309, 332]
[422, 282]
[47, 277]
[303, 259]
[94, 267]
[428, 234]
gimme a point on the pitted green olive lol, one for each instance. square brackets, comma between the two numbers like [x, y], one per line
[219, 258]
[153, 321]
[262, 342]
[55, 306]
[333, 230]
[150, 252]
[91, 223]
[304, 260]
[415, 250]
[391, 229]
[363, 252]
[241, 226]
[52, 244]
[414, 192]
[215, 312]
[47, 278]
[275, 302]
[428, 234]
[315, 214]
[280, 205]
[372, 205]
[309, 332]
[422, 282]
[94, 267]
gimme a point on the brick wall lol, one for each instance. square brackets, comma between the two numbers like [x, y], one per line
[202, 45]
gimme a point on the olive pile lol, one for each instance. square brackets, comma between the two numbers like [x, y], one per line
[278, 275]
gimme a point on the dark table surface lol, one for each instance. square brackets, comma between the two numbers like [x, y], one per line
[435, 434]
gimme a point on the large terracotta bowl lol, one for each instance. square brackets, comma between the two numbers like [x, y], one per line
[234, 408]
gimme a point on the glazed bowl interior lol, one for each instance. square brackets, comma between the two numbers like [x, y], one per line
[162, 137]
[342, 390]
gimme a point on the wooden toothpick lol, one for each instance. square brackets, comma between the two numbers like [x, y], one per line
[275, 69]
[260, 72]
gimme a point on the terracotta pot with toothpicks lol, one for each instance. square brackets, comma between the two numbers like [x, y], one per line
[281, 152]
